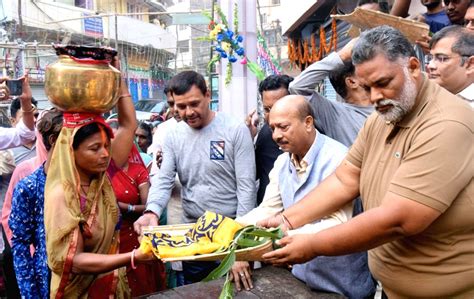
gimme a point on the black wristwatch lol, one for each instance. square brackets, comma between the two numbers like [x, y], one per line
[150, 212]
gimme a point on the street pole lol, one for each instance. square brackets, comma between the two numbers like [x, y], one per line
[260, 17]
[116, 27]
[177, 51]
[20, 19]
[211, 51]
[277, 40]
[116, 32]
[238, 98]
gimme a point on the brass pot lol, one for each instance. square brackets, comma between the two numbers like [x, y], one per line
[76, 86]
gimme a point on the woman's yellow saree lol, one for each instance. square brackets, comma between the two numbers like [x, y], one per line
[97, 220]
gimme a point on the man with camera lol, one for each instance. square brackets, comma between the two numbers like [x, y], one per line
[24, 131]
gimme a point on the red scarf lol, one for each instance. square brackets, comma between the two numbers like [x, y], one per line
[76, 119]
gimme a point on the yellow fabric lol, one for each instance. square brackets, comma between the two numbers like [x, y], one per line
[63, 218]
[211, 233]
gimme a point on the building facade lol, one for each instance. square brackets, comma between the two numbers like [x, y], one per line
[138, 29]
[192, 54]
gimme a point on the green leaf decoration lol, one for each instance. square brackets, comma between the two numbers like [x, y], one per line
[256, 70]
[243, 230]
[228, 74]
[236, 19]
[279, 232]
[228, 289]
[245, 242]
[207, 15]
[261, 41]
[223, 268]
[213, 61]
[205, 38]
[222, 16]
[248, 236]
[264, 233]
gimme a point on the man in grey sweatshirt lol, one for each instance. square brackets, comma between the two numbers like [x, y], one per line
[213, 155]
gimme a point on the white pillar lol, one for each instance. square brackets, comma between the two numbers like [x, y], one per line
[240, 96]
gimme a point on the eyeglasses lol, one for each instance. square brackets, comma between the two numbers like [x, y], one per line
[440, 58]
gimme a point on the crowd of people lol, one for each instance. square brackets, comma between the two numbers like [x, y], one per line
[375, 187]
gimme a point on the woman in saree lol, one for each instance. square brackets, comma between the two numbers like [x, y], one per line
[26, 217]
[82, 218]
[131, 183]
[21, 171]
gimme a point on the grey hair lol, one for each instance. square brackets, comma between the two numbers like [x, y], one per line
[383, 40]
[464, 40]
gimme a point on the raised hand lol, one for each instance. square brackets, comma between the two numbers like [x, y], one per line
[251, 121]
[346, 52]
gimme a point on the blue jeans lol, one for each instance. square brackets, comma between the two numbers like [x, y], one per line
[179, 278]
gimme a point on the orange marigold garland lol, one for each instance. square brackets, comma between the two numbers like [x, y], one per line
[306, 57]
[295, 51]
[334, 33]
[300, 53]
[291, 52]
[333, 41]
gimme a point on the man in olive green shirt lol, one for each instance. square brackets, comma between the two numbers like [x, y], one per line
[412, 166]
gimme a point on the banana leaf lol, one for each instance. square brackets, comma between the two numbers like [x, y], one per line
[248, 236]
[223, 268]
[245, 243]
[244, 230]
[227, 290]
[263, 233]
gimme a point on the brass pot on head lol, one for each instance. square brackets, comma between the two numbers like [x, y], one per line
[90, 86]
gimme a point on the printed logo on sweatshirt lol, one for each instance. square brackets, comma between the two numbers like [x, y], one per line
[217, 150]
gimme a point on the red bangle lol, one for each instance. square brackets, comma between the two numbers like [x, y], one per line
[133, 260]
[286, 221]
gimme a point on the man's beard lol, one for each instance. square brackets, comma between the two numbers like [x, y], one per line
[401, 105]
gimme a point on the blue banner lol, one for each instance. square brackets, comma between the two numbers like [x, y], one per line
[93, 26]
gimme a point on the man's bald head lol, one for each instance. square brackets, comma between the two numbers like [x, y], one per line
[292, 123]
[294, 104]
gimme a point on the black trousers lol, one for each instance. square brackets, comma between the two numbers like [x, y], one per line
[197, 271]
[9, 276]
